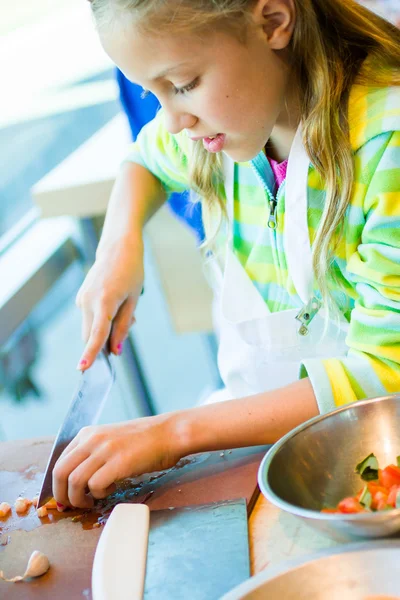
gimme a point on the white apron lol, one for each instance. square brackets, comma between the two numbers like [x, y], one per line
[259, 350]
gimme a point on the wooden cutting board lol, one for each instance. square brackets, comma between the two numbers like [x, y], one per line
[69, 539]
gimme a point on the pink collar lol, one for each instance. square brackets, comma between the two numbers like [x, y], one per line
[279, 170]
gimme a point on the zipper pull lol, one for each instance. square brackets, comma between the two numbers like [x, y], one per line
[272, 214]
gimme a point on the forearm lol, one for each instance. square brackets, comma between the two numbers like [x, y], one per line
[135, 197]
[252, 421]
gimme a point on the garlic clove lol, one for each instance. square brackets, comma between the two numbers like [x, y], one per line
[38, 565]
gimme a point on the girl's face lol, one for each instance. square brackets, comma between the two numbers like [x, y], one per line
[209, 85]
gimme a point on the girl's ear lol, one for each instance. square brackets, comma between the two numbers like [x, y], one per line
[277, 19]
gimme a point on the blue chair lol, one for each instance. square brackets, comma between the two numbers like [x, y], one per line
[139, 112]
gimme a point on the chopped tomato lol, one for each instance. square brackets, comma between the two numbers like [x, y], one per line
[389, 476]
[393, 495]
[376, 495]
[380, 501]
[374, 487]
[379, 495]
[350, 505]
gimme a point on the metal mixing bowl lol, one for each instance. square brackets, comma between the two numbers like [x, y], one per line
[313, 467]
[354, 571]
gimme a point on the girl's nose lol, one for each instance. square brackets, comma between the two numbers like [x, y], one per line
[175, 122]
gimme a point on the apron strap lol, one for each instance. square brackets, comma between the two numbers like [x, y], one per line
[296, 238]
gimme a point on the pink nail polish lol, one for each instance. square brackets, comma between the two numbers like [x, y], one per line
[119, 349]
[60, 507]
[82, 363]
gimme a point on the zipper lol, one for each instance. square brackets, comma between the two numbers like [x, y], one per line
[312, 307]
[272, 200]
[272, 214]
[272, 220]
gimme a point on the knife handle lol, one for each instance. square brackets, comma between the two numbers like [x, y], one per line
[119, 565]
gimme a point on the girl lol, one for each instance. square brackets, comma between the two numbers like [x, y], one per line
[284, 116]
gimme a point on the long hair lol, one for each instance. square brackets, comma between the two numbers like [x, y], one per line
[331, 43]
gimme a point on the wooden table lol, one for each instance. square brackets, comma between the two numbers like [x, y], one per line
[274, 536]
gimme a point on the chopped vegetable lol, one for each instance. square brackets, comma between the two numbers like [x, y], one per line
[42, 512]
[381, 500]
[22, 505]
[366, 498]
[350, 505]
[392, 497]
[5, 509]
[389, 476]
[381, 492]
[51, 504]
[368, 468]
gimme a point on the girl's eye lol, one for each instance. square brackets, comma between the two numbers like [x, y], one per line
[187, 88]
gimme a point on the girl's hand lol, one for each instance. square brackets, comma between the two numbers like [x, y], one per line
[99, 456]
[108, 299]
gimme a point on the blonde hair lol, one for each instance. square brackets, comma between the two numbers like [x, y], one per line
[330, 44]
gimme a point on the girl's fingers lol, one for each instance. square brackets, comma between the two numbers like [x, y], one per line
[78, 481]
[68, 449]
[121, 324]
[87, 322]
[99, 334]
[87, 315]
[101, 484]
[63, 469]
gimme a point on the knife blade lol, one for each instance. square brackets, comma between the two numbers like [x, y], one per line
[85, 409]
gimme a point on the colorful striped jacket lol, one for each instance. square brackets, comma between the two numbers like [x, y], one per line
[367, 261]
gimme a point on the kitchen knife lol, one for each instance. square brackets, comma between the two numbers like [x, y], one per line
[86, 406]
